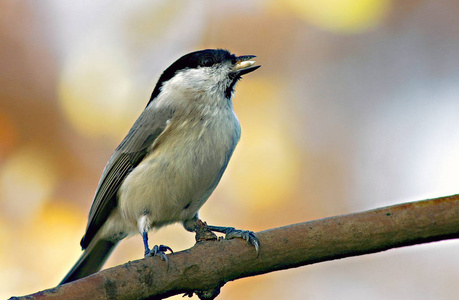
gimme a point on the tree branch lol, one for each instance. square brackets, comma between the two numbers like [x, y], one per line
[209, 265]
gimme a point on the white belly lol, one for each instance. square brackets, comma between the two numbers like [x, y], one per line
[177, 177]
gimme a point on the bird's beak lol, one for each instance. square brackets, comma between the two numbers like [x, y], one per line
[244, 64]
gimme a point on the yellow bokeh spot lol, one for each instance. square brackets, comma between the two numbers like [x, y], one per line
[56, 236]
[339, 15]
[266, 165]
[27, 180]
[96, 94]
[41, 251]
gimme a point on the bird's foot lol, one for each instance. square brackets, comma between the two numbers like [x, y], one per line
[158, 251]
[230, 233]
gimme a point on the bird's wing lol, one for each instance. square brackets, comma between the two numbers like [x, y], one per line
[127, 156]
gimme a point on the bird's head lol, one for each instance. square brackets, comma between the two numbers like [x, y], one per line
[205, 71]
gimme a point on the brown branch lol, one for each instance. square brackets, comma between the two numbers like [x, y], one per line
[209, 265]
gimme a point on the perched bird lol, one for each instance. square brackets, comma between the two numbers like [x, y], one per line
[171, 160]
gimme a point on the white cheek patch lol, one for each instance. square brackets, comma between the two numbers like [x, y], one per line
[196, 83]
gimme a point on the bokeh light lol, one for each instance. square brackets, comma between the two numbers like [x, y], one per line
[266, 166]
[27, 180]
[345, 16]
[95, 91]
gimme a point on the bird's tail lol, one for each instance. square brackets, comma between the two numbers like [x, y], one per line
[91, 261]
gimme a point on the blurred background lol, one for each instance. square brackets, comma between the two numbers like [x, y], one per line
[356, 106]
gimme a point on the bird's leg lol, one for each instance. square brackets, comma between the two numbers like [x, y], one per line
[145, 243]
[156, 250]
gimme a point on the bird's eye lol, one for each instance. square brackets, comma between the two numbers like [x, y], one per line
[207, 62]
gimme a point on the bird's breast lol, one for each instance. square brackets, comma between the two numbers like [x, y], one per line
[182, 169]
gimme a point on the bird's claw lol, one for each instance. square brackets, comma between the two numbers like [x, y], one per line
[231, 233]
[249, 236]
[159, 251]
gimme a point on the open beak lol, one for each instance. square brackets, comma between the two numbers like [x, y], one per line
[244, 64]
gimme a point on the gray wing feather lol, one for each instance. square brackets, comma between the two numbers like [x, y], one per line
[127, 156]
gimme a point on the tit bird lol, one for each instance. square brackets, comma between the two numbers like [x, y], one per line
[171, 159]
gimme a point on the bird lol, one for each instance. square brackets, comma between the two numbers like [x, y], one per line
[170, 161]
